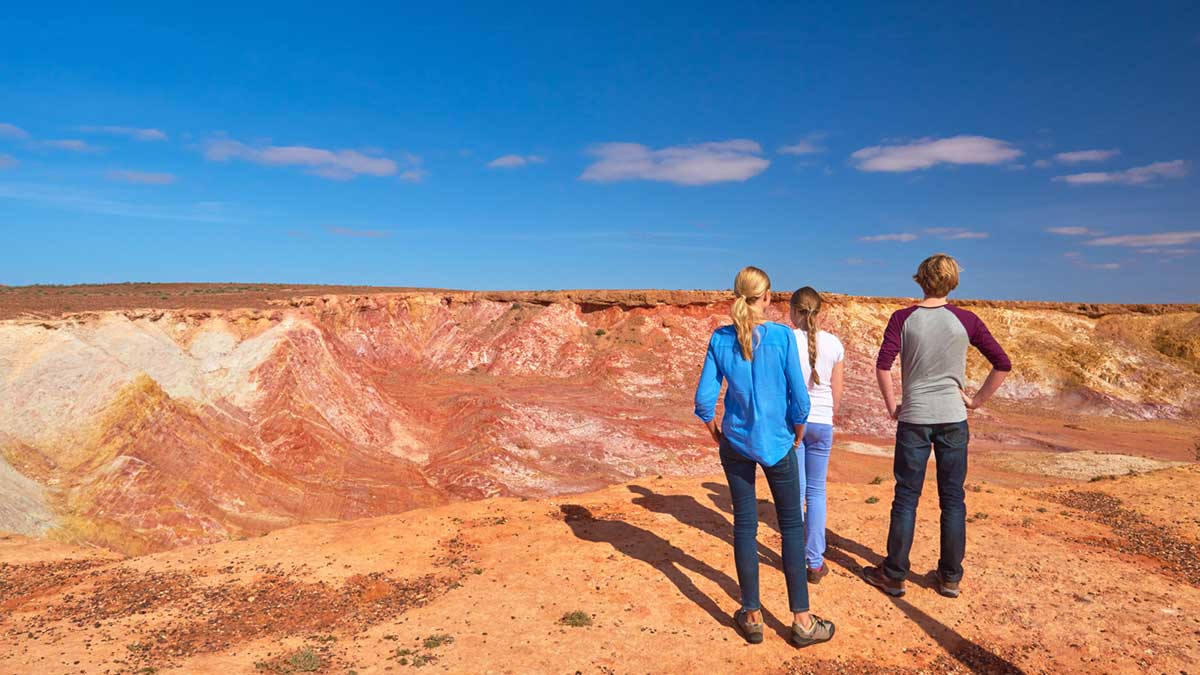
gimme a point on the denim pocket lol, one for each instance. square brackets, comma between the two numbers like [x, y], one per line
[956, 435]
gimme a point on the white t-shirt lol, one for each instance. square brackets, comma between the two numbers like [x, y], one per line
[829, 353]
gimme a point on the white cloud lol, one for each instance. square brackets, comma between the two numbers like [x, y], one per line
[335, 164]
[70, 145]
[141, 177]
[135, 133]
[1078, 260]
[358, 234]
[698, 164]
[7, 161]
[1157, 239]
[1169, 253]
[91, 202]
[12, 131]
[1074, 231]
[928, 152]
[1042, 163]
[809, 145]
[514, 161]
[897, 236]
[1080, 156]
[1138, 175]
[956, 233]
[414, 175]
[938, 232]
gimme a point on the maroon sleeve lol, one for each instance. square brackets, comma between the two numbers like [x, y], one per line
[890, 349]
[982, 339]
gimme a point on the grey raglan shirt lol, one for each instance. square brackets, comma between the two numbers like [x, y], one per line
[932, 345]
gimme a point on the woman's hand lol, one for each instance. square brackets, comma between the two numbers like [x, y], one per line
[715, 432]
[894, 411]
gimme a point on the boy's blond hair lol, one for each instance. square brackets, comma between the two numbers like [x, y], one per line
[937, 275]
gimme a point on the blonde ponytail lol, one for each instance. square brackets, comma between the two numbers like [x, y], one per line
[806, 304]
[749, 286]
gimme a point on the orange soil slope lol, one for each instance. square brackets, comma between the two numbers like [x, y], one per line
[1101, 577]
[144, 429]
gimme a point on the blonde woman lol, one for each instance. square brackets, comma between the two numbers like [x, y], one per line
[821, 355]
[766, 406]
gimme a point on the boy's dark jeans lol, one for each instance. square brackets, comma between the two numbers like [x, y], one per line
[949, 443]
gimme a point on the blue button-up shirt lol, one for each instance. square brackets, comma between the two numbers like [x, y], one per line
[766, 397]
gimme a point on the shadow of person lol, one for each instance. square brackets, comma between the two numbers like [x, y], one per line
[972, 656]
[719, 495]
[670, 560]
[837, 548]
[688, 511]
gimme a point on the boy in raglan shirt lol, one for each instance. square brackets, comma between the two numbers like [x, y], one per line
[931, 339]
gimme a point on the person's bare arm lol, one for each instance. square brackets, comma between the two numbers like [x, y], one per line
[990, 385]
[884, 378]
[837, 385]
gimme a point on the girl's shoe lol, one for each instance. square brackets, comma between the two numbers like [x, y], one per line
[753, 632]
[815, 575]
[820, 631]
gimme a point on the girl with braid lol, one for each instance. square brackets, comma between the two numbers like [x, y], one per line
[821, 355]
[766, 405]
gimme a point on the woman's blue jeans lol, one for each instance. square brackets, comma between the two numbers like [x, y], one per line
[818, 441]
[787, 491]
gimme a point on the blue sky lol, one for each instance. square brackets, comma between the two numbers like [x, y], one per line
[1053, 150]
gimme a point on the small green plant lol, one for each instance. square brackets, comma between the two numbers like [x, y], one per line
[423, 660]
[477, 570]
[304, 661]
[1041, 509]
[979, 515]
[435, 641]
[404, 652]
[877, 480]
[148, 670]
[576, 619]
[872, 500]
[600, 332]
[137, 646]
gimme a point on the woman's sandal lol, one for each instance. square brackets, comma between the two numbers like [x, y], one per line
[821, 631]
[753, 632]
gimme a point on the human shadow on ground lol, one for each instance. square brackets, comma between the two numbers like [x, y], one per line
[688, 511]
[840, 551]
[670, 560]
[718, 494]
[975, 658]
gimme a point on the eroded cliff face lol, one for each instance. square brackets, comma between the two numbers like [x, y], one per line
[144, 429]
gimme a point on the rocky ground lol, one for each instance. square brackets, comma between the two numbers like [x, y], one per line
[1085, 577]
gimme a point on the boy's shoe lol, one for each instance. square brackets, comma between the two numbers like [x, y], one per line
[946, 588]
[815, 576]
[820, 631]
[876, 577]
[753, 632]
